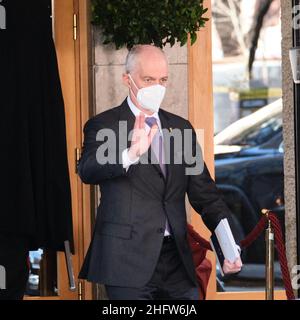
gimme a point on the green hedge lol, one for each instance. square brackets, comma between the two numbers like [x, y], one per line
[130, 22]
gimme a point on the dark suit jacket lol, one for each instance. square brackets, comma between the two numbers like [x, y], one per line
[131, 217]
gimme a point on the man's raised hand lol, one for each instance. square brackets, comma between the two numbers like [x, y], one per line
[141, 140]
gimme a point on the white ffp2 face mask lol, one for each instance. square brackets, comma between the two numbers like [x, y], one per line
[151, 97]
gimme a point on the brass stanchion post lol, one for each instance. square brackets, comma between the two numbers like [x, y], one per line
[269, 238]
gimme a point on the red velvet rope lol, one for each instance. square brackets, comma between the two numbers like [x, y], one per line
[252, 236]
[280, 247]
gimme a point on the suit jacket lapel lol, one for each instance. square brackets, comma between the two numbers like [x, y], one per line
[127, 116]
[165, 124]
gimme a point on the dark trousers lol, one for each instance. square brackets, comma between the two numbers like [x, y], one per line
[170, 280]
[14, 260]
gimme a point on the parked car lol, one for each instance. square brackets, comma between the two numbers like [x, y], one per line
[249, 172]
[249, 132]
[249, 184]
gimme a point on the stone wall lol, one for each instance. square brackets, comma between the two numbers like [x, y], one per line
[108, 67]
[288, 133]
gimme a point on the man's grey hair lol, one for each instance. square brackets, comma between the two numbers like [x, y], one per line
[133, 54]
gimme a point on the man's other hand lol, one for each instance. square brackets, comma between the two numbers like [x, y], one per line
[229, 268]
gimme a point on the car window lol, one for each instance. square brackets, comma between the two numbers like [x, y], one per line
[274, 143]
[259, 134]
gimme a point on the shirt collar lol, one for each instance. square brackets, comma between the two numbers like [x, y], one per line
[136, 111]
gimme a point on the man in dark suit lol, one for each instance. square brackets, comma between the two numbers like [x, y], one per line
[139, 248]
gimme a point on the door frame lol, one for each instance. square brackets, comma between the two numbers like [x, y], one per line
[78, 34]
[72, 42]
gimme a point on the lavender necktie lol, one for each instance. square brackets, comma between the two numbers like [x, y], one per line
[157, 147]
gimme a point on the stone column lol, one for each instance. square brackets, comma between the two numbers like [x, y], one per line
[288, 135]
